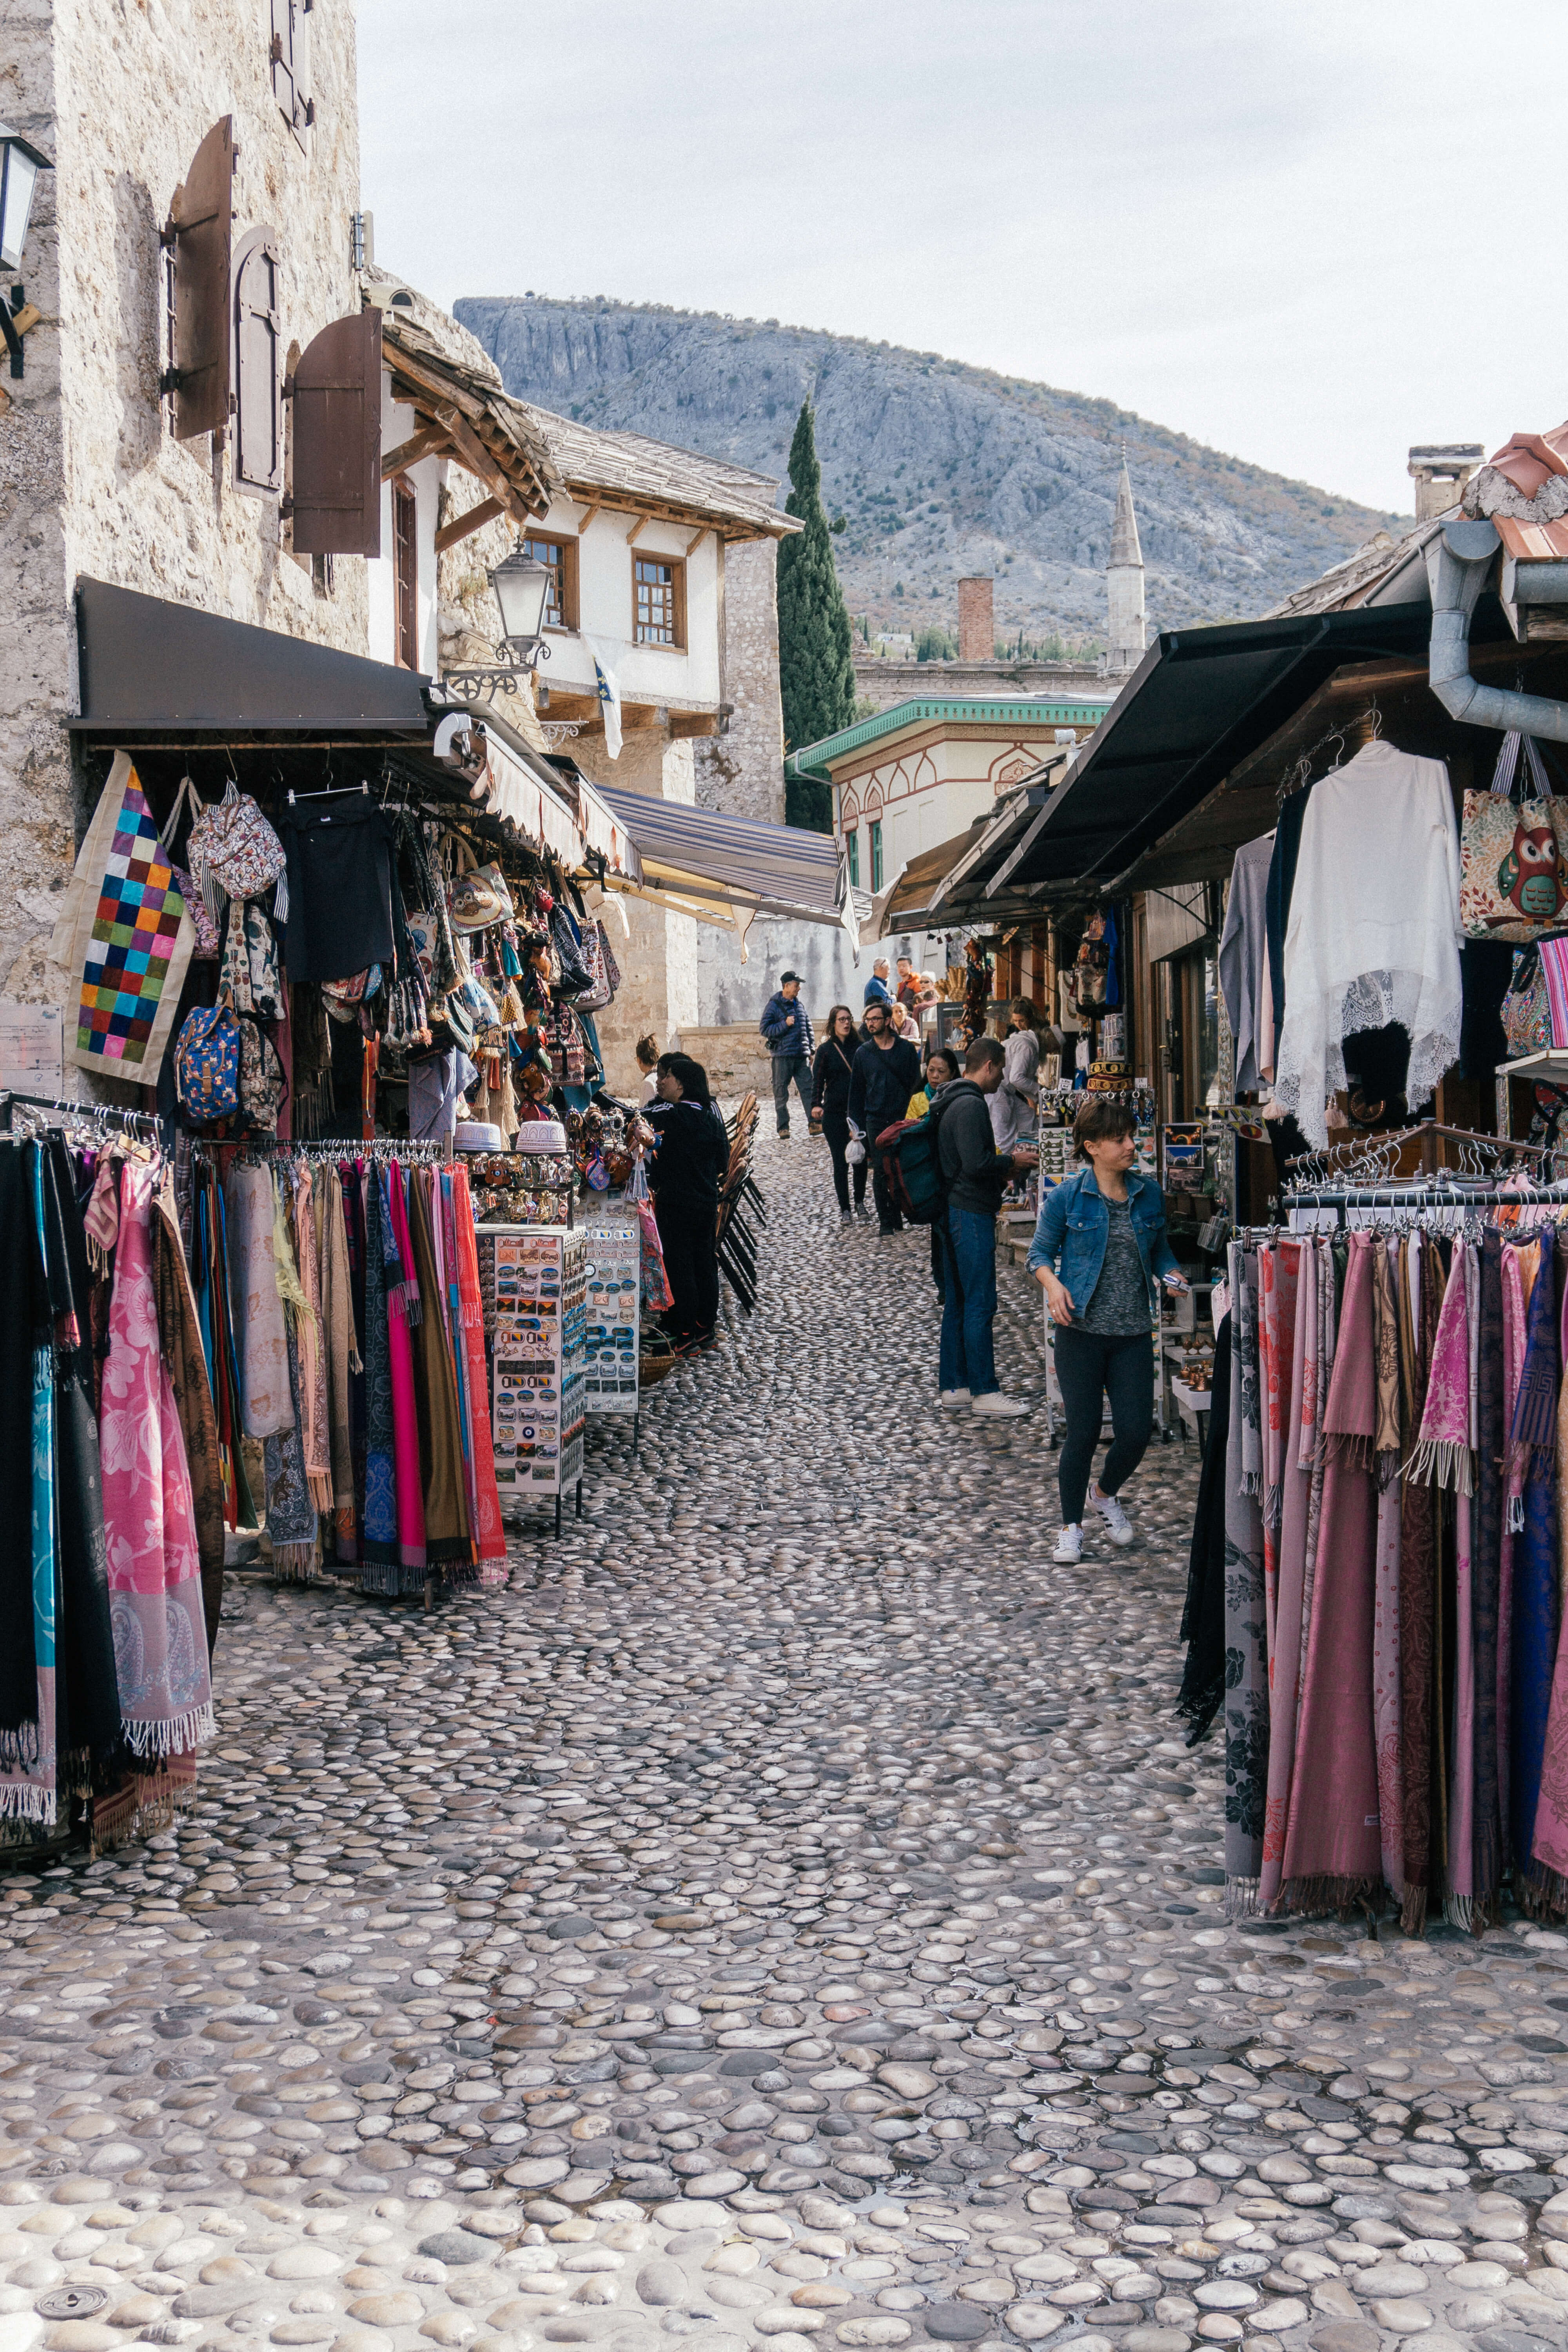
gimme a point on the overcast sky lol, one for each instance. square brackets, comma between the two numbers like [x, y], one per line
[1307, 232]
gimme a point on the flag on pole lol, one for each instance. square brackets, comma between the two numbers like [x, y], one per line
[609, 695]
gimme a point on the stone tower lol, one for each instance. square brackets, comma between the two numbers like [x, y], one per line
[1124, 584]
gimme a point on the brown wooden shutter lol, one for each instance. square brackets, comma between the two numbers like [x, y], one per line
[257, 328]
[336, 500]
[200, 232]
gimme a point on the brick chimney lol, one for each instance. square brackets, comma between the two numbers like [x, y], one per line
[976, 629]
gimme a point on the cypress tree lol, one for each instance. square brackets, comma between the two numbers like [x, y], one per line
[817, 675]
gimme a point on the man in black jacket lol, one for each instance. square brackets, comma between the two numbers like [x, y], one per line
[974, 1174]
[886, 1072]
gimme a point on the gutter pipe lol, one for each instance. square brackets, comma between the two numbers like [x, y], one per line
[1458, 559]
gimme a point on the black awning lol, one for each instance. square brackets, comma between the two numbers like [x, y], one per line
[149, 666]
[1201, 700]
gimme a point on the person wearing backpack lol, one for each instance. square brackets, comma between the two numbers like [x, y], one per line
[974, 1174]
[886, 1073]
[830, 1104]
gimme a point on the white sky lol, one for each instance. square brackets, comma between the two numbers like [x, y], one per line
[1307, 232]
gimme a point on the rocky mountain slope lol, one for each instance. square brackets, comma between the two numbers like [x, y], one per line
[938, 468]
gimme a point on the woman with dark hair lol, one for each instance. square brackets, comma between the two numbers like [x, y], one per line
[1099, 1250]
[942, 1070]
[647, 1064]
[830, 1104]
[685, 1174]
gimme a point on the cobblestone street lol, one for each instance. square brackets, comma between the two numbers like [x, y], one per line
[787, 1914]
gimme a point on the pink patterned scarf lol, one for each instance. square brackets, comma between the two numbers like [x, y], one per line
[154, 1569]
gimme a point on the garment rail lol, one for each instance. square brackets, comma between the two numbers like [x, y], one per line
[146, 1124]
[1397, 1198]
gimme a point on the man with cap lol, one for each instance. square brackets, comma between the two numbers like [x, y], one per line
[786, 1032]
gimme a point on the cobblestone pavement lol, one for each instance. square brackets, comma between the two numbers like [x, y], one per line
[786, 1915]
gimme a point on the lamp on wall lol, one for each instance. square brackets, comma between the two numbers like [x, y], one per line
[522, 589]
[20, 164]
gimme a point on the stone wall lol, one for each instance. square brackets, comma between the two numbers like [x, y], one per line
[91, 481]
[741, 771]
[735, 1059]
[885, 683]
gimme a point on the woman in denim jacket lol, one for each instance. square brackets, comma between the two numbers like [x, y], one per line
[1099, 1248]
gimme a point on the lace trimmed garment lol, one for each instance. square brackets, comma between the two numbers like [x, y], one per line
[1375, 929]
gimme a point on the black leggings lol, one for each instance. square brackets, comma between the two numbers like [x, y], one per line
[1090, 1366]
[686, 1234]
[836, 1127]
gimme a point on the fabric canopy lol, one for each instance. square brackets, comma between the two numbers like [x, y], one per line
[726, 869]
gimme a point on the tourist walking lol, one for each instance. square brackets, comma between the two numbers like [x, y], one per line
[786, 1032]
[1099, 1251]
[886, 1072]
[877, 989]
[685, 1174]
[830, 1078]
[1015, 1111]
[941, 1069]
[974, 1174]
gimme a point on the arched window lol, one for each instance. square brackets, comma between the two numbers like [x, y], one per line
[257, 378]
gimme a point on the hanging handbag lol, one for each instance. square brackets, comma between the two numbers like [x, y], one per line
[598, 992]
[261, 958]
[233, 846]
[612, 969]
[1526, 1013]
[479, 895]
[1513, 856]
[196, 907]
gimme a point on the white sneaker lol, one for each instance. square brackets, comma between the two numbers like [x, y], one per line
[999, 1404]
[1070, 1546]
[1117, 1526]
[955, 1400]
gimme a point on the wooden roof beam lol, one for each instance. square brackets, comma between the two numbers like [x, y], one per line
[473, 454]
[428, 442]
[464, 526]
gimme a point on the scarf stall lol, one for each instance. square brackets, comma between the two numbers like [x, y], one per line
[1376, 1580]
[108, 1611]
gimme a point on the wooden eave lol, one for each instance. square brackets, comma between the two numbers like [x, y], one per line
[474, 429]
[730, 527]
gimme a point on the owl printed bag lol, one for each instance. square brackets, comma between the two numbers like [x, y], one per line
[1514, 853]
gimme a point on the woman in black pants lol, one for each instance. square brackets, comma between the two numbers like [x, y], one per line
[685, 1174]
[830, 1101]
[1099, 1248]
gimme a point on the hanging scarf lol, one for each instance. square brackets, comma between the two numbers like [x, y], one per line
[1297, 1398]
[258, 1304]
[1327, 1307]
[154, 1566]
[1331, 1849]
[315, 1426]
[291, 1527]
[1535, 1597]
[1277, 1274]
[29, 1790]
[353, 1195]
[342, 1350]
[397, 1259]
[179, 1336]
[1443, 1457]
[1419, 1677]
[1385, 1357]
[379, 1567]
[447, 1537]
[1486, 1574]
[489, 1528]
[1248, 1411]
[1202, 1694]
[1246, 1623]
[25, 1313]
[1515, 1343]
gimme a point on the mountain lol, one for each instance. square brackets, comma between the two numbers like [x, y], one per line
[939, 469]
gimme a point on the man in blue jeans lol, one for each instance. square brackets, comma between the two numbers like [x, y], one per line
[786, 1032]
[974, 1174]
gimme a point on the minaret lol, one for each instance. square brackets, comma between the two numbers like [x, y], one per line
[1124, 583]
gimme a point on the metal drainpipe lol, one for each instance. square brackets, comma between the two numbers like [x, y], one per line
[1457, 562]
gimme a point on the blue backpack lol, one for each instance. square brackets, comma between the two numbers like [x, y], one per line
[913, 1171]
[207, 1063]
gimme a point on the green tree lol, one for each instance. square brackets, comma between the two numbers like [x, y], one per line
[816, 673]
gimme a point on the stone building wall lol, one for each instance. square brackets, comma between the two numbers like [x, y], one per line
[741, 771]
[91, 480]
[885, 683]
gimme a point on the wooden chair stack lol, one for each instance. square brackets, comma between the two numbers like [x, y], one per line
[739, 1194]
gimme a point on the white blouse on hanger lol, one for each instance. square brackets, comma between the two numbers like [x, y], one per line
[1373, 935]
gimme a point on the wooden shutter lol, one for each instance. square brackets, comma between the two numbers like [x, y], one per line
[257, 389]
[336, 390]
[200, 233]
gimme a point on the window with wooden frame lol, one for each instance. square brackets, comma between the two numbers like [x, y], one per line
[290, 63]
[405, 571]
[560, 600]
[659, 601]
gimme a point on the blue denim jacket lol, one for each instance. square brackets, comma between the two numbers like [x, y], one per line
[1070, 1235]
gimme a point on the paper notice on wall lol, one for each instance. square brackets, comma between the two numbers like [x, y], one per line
[32, 1057]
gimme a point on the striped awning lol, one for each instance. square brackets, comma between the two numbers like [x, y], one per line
[726, 869]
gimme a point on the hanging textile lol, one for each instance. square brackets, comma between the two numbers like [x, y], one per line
[261, 1341]
[1246, 1670]
[179, 1338]
[155, 1567]
[124, 937]
[446, 1539]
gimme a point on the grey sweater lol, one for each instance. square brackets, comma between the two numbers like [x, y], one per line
[972, 1169]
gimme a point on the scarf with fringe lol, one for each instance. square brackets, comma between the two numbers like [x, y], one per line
[1246, 1624]
[1420, 1646]
[1535, 1599]
[1486, 1574]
